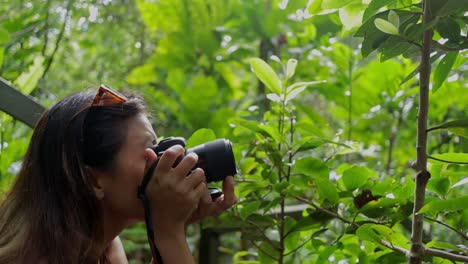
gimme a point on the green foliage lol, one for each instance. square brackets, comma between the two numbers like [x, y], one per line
[328, 132]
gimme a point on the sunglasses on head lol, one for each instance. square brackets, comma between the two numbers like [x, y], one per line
[106, 95]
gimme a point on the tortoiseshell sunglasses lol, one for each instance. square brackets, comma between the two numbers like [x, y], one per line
[104, 94]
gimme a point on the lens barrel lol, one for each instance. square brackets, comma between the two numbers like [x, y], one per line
[216, 159]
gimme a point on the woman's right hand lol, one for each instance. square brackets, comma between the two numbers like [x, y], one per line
[173, 192]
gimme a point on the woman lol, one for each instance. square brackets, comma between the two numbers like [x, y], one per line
[77, 188]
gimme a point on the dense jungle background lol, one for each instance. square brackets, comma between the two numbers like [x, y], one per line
[319, 97]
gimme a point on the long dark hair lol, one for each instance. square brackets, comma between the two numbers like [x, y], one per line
[51, 211]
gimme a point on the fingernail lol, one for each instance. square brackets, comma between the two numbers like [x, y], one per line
[193, 154]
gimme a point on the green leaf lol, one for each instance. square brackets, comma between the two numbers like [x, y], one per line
[300, 85]
[306, 224]
[307, 143]
[385, 26]
[373, 7]
[394, 18]
[441, 245]
[335, 4]
[295, 89]
[28, 80]
[274, 97]
[351, 15]
[143, 74]
[448, 28]
[374, 233]
[460, 183]
[201, 136]
[314, 6]
[451, 157]
[266, 74]
[4, 36]
[249, 209]
[327, 190]
[443, 69]
[449, 205]
[393, 47]
[291, 68]
[264, 130]
[267, 252]
[459, 127]
[439, 185]
[312, 167]
[444, 8]
[416, 71]
[2, 50]
[356, 176]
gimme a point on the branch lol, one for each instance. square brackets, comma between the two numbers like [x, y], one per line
[59, 39]
[422, 175]
[449, 227]
[446, 255]
[395, 248]
[424, 251]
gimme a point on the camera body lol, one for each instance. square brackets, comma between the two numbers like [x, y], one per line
[215, 157]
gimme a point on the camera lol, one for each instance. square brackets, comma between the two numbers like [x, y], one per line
[215, 157]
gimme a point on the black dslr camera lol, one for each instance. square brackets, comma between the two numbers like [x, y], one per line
[214, 157]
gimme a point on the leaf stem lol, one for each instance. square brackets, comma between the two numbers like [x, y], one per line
[449, 227]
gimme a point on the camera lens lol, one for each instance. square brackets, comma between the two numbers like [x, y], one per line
[216, 159]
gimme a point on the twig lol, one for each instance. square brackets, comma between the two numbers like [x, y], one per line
[434, 128]
[263, 251]
[46, 29]
[331, 213]
[446, 255]
[447, 161]
[59, 39]
[298, 247]
[445, 47]
[262, 232]
[449, 227]
[25, 30]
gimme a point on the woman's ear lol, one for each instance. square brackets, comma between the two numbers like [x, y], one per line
[96, 179]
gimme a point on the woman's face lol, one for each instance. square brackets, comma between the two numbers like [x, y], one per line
[119, 185]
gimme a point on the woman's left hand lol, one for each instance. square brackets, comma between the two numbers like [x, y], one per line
[208, 207]
[115, 252]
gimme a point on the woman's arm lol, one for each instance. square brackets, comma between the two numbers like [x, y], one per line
[173, 247]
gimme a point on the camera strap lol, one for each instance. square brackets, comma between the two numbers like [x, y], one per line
[146, 205]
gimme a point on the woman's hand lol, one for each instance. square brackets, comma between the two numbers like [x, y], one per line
[115, 252]
[207, 207]
[174, 192]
